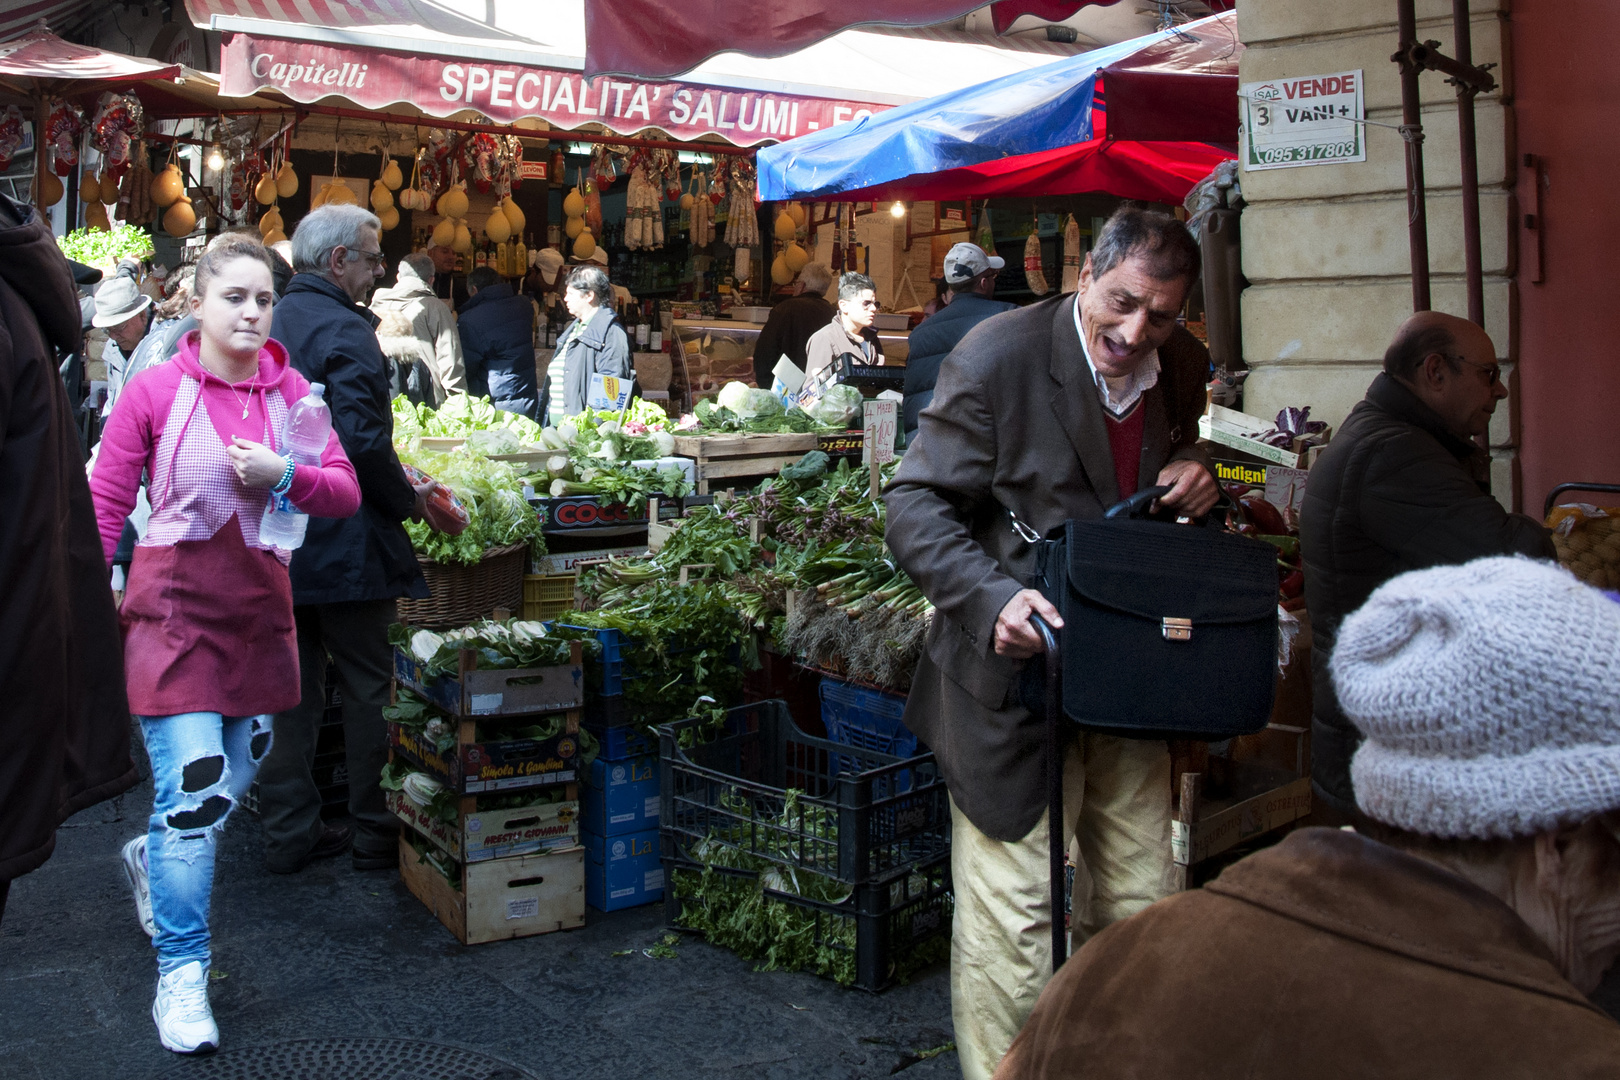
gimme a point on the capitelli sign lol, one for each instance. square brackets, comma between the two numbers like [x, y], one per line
[308, 72]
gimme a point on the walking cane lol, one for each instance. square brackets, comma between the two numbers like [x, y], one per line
[1054, 788]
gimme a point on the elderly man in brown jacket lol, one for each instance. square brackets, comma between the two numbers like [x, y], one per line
[1458, 933]
[1051, 412]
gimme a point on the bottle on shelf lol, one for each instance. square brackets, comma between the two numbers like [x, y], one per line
[520, 258]
[643, 329]
[303, 439]
[481, 256]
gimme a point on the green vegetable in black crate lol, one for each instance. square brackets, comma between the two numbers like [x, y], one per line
[733, 910]
[492, 492]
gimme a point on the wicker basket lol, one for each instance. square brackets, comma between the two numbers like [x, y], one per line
[464, 594]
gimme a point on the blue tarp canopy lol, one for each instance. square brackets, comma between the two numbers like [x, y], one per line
[1171, 107]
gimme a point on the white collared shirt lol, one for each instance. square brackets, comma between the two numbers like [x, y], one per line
[1120, 394]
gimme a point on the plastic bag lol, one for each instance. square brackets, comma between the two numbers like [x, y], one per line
[838, 405]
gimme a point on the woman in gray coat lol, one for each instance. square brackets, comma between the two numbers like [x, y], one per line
[595, 342]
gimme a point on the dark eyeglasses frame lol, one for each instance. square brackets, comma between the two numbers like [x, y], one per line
[1493, 372]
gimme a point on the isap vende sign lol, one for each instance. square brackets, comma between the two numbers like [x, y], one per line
[1313, 120]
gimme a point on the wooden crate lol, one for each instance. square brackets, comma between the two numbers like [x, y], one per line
[502, 898]
[481, 835]
[726, 457]
[497, 691]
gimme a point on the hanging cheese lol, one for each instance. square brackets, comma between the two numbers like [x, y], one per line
[444, 233]
[89, 187]
[265, 190]
[1032, 266]
[50, 189]
[286, 181]
[392, 176]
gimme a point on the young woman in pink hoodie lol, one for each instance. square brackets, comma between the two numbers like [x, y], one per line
[209, 648]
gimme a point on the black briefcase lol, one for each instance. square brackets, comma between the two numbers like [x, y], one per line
[1169, 630]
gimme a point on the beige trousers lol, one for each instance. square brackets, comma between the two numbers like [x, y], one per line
[1116, 810]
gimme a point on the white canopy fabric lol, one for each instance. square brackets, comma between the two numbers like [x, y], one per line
[887, 69]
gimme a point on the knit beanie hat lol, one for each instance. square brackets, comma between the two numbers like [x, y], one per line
[1489, 698]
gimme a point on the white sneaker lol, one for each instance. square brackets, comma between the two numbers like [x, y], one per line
[184, 1021]
[135, 869]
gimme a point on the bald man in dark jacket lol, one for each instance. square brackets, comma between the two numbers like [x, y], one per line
[1402, 486]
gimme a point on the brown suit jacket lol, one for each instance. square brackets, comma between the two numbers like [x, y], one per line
[1015, 425]
[1329, 955]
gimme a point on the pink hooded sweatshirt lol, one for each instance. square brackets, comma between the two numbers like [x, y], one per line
[131, 439]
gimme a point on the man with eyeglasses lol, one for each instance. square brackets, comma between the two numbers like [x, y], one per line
[1402, 486]
[350, 571]
[850, 330]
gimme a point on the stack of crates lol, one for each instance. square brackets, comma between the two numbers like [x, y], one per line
[501, 873]
[766, 802]
[331, 766]
[619, 806]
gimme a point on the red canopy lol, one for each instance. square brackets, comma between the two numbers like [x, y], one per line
[1003, 13]
[1152, 172]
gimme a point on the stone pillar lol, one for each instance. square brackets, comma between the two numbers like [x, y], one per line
[1325, 246]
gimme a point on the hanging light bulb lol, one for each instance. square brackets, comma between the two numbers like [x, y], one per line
[898, 209]
[216, 157]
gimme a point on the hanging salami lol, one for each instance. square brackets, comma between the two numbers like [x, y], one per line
[1032, 266]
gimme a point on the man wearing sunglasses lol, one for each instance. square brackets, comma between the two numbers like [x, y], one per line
[850, 330]
[1401, 487]
[349, 572]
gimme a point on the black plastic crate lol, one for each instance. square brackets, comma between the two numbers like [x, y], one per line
[878, 935]
[767, 790]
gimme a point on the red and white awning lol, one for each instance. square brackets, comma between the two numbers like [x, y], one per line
[17, 19]
[39, 61]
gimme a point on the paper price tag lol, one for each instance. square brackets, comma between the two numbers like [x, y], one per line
[877, 447]
[607, 393]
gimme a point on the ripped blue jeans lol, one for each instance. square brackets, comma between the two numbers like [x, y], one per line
[202, 763]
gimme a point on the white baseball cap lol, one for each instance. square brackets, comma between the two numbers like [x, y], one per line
[965, 262]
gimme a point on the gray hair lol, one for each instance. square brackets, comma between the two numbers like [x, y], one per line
[421, 263]
[816, 278]
[592, 280]
[852, 285]
[1165, 245]
[324, 230]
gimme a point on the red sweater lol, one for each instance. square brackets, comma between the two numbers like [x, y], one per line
[1125, 440]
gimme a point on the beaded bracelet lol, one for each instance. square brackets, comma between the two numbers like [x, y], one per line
[285, 483]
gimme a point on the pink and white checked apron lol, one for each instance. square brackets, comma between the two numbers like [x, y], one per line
[207, 617]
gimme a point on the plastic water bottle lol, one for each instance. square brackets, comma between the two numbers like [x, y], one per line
[309, 425]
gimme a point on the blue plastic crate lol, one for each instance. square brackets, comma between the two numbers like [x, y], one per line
[612, 662]
[866, 719]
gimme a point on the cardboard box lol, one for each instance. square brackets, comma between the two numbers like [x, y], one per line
[501, 898]
[620, 797]
[493, 834]
[622, 871]
[471, 767]
[567, 562]
[1228, 427]
[1282, 486]
[499, 692]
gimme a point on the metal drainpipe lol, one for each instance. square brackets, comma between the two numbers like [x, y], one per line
[1470, 163]
[1417, 219]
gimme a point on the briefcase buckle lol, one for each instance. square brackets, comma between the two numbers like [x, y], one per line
[1177, 629]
